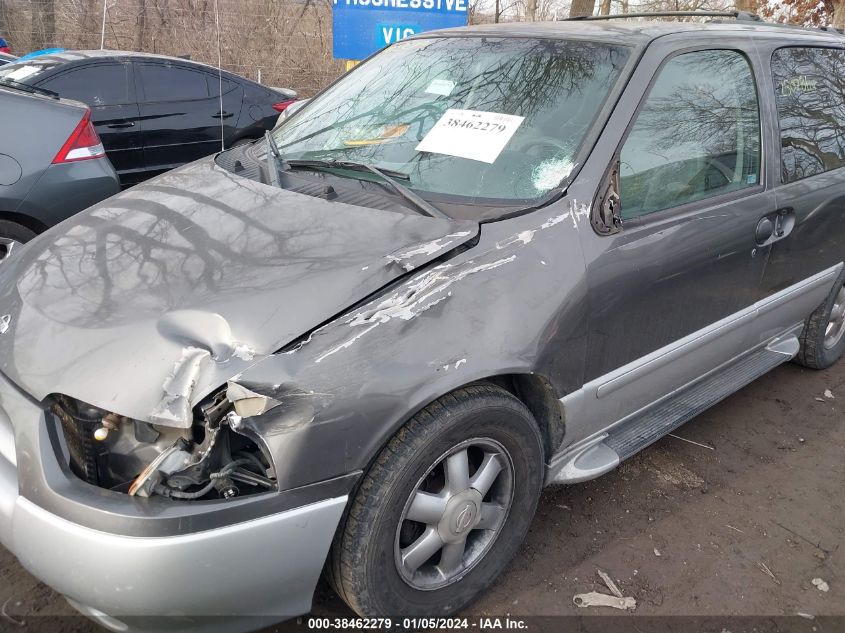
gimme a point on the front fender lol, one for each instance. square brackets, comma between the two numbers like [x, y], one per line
[513, 304]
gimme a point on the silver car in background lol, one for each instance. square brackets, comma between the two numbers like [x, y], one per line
[52, 163]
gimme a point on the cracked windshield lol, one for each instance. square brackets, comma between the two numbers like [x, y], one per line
[463, 118]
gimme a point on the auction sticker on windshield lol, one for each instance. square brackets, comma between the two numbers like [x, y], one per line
[442, 87]
[472, 134]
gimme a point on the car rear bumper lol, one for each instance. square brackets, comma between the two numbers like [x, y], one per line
[67, 188]
[240, 575]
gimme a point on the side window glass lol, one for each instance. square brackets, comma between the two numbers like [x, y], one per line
[810, 85]
[696, 136]
[166, 82]
[96, 85]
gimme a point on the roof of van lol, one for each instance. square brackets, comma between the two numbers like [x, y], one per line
[631, 31]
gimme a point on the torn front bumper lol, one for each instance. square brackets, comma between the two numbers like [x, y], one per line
[143, 565]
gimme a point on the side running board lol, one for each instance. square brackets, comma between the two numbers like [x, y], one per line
[602, 453]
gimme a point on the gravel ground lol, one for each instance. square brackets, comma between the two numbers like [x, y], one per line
[738, 527]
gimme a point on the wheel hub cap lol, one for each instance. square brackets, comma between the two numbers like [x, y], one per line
[461, 516]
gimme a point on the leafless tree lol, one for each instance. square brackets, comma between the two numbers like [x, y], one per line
[288, 42]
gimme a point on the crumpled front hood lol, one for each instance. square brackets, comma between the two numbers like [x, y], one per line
[175, 285]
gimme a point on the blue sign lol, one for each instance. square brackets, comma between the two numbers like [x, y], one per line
[361, 27]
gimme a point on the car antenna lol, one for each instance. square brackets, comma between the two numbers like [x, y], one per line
[103, 29]
[219, 75]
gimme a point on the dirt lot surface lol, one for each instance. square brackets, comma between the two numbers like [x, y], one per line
[739, 528]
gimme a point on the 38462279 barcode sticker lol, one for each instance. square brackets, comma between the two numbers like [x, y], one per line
[472, 134]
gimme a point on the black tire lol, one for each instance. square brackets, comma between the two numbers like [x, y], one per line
[362, 567]
[813, 353]
[15, 231]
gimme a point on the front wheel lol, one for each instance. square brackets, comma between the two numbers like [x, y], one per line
[443, 509]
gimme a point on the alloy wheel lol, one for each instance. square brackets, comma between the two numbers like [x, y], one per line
[454, 514]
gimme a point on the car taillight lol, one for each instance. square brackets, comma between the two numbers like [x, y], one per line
[282, 105]
[83, 143]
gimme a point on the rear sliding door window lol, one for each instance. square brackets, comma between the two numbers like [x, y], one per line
[810, 91]
[164, 82]
[696, 136]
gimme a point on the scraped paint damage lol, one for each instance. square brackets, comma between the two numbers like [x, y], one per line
[452, 365]
[578, 211]
[291, 406]
[421, 294]
[404, 257]
[244, 352]
[432, 287]
[247, 402]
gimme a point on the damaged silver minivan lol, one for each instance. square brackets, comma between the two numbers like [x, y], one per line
[485, 260]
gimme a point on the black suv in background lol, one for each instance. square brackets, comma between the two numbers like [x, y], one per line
[153, 112]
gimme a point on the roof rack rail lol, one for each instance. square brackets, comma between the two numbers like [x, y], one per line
[737, 15]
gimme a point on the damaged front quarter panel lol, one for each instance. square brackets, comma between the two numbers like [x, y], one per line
[208, 349]
[324, 406]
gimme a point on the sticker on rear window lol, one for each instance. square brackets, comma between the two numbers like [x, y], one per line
[442, 87]
[22, 73]
[472, 134]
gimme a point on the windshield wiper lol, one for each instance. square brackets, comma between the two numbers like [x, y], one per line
[306, 163]
[278, 162]
[17, 85]
[387, 175]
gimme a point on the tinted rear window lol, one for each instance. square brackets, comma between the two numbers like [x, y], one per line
[810, 85]
[165, 82]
